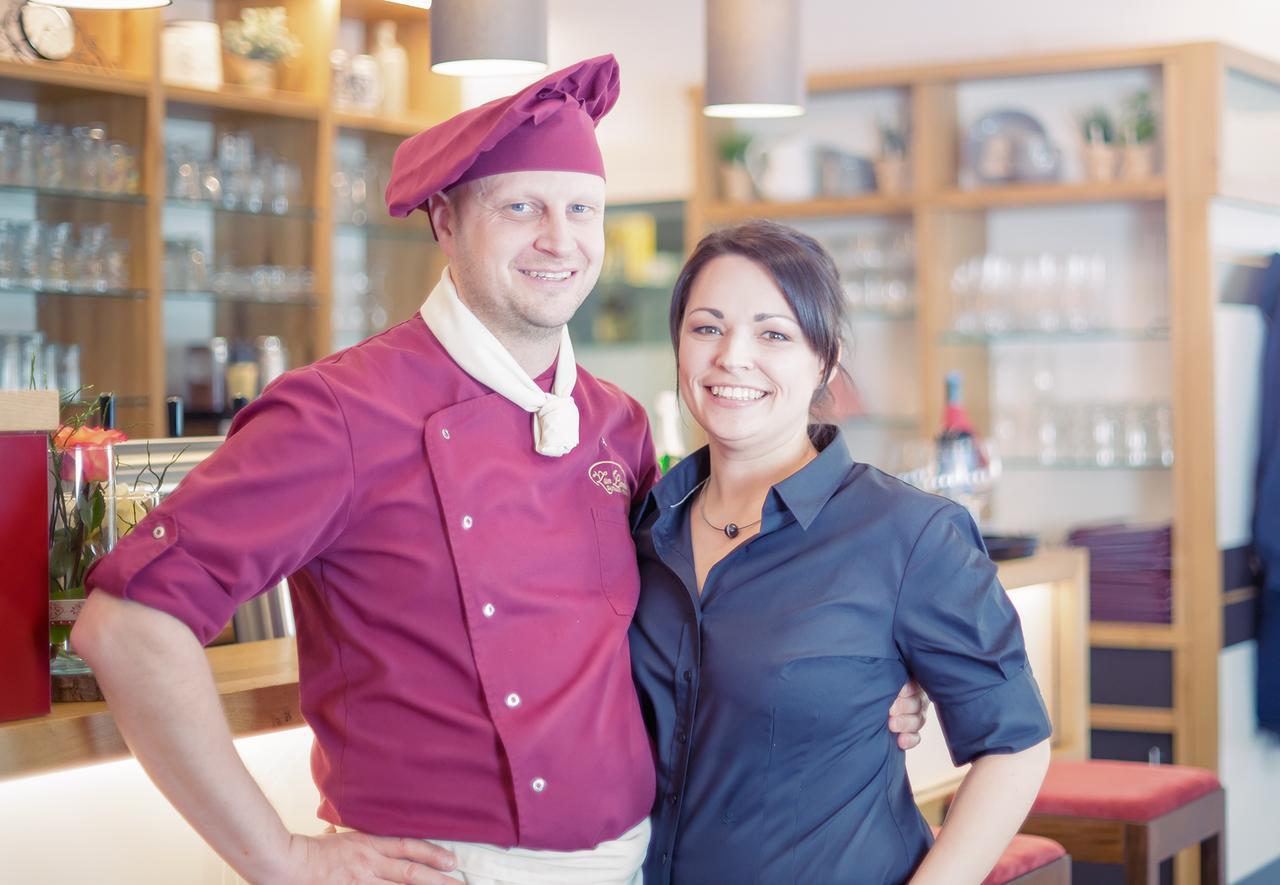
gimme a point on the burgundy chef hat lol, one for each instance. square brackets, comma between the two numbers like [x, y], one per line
[549, 125]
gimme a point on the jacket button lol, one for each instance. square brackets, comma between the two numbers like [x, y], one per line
[688, 675]
[513, 700]
[538, 785]
[682, 737]
[672, 798]
[157, 532]
[467, 522]
[488, 609]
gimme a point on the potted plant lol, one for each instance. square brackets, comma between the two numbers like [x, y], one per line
[1099, 133]
[1139, 157]
[735, 180]
[891, 164]
[256, 43]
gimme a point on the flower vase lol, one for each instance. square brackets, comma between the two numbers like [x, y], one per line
[735, 183]
[255, 75]
[1099, 162]
[891, 174]
[1138, 160]
[91, 512]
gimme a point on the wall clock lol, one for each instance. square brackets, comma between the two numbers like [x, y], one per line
[48, 30]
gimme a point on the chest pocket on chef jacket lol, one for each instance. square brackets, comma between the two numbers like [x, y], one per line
[619, 576]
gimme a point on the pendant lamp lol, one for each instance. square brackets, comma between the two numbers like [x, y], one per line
[477, 38]
[753, 59]
[108, 4]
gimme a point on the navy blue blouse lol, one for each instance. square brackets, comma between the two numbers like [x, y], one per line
[767, 698]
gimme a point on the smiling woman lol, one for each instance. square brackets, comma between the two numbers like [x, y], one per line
[787, 592]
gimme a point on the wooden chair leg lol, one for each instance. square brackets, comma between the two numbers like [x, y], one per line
[1213, 861]
[1140, 866]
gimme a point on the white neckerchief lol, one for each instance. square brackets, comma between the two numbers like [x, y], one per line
[482, 356]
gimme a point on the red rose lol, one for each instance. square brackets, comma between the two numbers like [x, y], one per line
[91, 441]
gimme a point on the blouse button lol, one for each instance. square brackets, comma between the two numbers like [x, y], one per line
[513, 700]
[538, 785]
[157, 532]
[445, 433]
[488, 609]
[467, 522]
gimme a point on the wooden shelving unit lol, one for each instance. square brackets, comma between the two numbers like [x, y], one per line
[122, 334]
[950, 222]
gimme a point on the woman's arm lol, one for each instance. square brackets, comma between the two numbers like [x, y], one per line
[992, 802]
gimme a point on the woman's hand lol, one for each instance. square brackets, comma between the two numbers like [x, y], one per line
[908, 715]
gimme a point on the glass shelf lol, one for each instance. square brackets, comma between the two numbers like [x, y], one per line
[1016, 336]
[871, 314]
[1032, 464]
[881, 422]
[74, 293]
[71, 194]
[382, 230]
[308, 300]
[217, 209]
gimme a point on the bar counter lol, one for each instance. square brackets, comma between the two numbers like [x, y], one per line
[258, 683]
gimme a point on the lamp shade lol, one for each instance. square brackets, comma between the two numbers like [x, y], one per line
[108, 4]
[753, 59]
[421, 4]
[488, 37]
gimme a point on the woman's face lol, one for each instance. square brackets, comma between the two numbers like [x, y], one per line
[747, 373]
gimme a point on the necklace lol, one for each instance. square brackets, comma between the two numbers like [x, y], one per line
[730, 529]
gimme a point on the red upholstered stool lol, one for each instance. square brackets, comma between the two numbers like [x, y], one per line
[1030, 860]
[1133, 814]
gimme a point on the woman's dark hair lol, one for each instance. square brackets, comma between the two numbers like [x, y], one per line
[799, 266]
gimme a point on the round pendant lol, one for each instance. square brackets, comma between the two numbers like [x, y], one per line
[731, 530]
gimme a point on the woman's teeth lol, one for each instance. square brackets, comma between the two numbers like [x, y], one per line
[558, 276]
[739, 393]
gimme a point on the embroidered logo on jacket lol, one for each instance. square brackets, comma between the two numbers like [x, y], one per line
[610, 476]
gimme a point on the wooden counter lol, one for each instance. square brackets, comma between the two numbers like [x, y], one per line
[258, 682]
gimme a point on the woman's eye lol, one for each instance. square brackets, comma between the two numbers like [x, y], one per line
[706, 330]
[776, 336]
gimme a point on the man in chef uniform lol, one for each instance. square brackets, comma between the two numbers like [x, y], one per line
[450, 500]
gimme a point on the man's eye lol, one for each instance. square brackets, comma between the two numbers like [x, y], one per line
[581, 209]
[520, 208]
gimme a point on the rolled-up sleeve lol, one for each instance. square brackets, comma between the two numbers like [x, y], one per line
[962, 640]
[271, 498]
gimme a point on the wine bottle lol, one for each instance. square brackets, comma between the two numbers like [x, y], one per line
[955, 420]
[958, 457]
[107, 411]
[175, 413]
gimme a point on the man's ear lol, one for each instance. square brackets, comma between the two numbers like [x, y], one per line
[444, 219]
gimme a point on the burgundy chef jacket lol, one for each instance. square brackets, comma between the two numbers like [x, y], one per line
[462, 602]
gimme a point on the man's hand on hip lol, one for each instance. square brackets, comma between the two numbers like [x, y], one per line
[357, 857]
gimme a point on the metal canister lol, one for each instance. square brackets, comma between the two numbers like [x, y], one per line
[273, 359]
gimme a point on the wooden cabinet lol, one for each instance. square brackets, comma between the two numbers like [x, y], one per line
[1155, 340]
[133, 339]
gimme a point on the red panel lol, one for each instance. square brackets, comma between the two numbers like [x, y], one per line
[24, 576]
